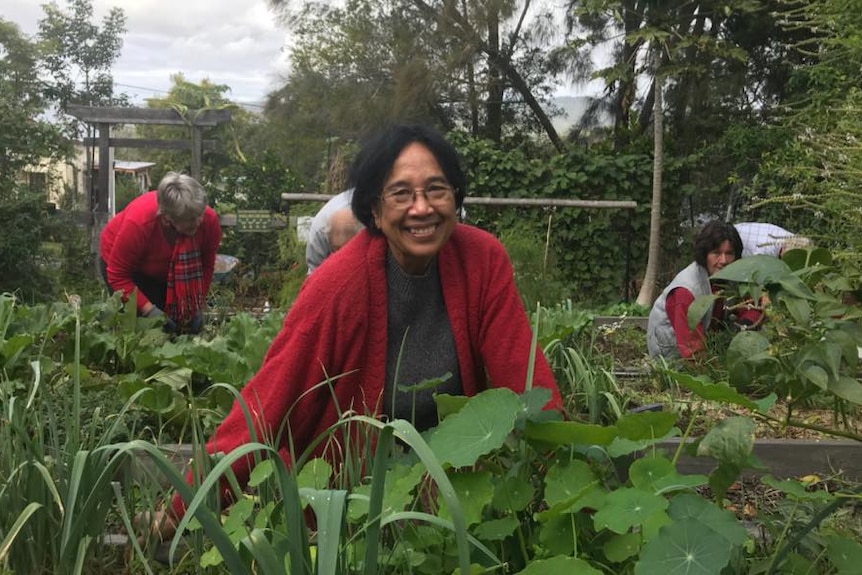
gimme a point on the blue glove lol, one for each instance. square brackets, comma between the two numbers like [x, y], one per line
[197, 322]
[170, 325]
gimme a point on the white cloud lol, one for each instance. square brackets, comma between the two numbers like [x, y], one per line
[232, 42]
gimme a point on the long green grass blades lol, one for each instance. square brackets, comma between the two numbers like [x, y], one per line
[268, 560]
[375, 505]
[399, 516]
[208, 520]
[298, 549]
[15, 529]
[408, 434]
[534, 342]
[329, 507]
[127, 523]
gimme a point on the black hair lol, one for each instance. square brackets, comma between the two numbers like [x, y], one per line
[374, 163]
[712, 236]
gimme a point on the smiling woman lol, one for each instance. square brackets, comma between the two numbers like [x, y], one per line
[415, 304]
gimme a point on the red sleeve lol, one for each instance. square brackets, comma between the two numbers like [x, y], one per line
[688, 342]
[506, 336]
[127, 253]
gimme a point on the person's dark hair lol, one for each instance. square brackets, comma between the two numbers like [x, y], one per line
[374, 163]
[712, 236]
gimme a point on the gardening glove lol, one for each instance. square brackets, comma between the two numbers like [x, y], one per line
[170, 325]
[197, 322]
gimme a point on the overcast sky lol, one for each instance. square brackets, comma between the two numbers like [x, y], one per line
[232, 42]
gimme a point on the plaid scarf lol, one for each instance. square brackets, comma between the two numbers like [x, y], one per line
[185, 294]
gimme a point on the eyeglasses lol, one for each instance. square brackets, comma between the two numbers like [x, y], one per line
[402, 197]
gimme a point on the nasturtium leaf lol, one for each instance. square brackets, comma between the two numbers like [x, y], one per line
[702, 387]
[478, 428]
[621, 446]
[627, 507]
[657, 474]
[400, 483]
[620, 547]
[496, 529]
[847, 388]
[645, 471]
[449, 404]
[559, 566]
[646, 425]
[261, 472]
[731, 440]
[685, 547]
[513, 492]
[474, 491]
[652, 525]
[570, 433]
[557, 535]
[535, 400]
[314, 474]
[796, 490]
[695, 507]
[845, 554]
[566, 480]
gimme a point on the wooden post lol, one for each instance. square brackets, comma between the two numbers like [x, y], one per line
[197, 156]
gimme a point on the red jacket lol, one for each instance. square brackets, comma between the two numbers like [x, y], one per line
[133, 242]
[338, 325]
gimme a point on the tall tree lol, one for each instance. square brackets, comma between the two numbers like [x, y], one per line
[78, 54]
[26, 140]
[472, 63]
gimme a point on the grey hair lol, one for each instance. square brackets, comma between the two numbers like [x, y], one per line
[180, 197]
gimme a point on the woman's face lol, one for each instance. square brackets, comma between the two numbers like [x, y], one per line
[719, 257]
[416, 211]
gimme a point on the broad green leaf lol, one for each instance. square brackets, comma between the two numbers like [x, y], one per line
[699, 308]
[731, 440]
[799, 309]
[645, 471]
[747, 350]
[559, 566]
[474, 490]
[684, 547]
[706, 389]
[314, 474]
[722, 477]
[626, 507]
[570, 433]
[652, 525]
[514, 492]
[557, 535]
[567, 482]
[622, 546]
[261, 472]
[478, 428]
[758, 269]
[845, 554]
[496, 529]
[796, 490]
[847, 388]
[646, 425]
[816, 375]
[621, 446]
[723, 522]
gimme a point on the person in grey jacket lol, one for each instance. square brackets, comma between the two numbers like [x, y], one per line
[668, 334]
[332, 227]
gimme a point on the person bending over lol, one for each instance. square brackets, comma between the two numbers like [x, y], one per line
[164, 244]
